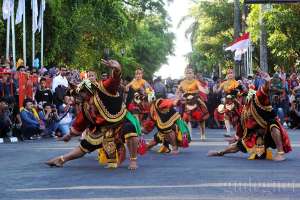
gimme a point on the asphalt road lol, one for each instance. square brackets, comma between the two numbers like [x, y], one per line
[189, 175]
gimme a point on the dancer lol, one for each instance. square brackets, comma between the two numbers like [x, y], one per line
[194, 107]
[259, 129]
[233, 108]
[171, 128]
[137, 95]
[107, 123]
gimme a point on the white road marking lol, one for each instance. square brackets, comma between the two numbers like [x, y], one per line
[234, 185]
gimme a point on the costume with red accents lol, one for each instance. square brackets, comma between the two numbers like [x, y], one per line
[257, 120]
[167, 120]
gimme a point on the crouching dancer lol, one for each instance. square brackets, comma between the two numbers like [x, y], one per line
[171, 128]
[107, 123]
[259, 129]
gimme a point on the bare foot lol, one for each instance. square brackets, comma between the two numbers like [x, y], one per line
[279, 157]
[215, 153]
[55, 162]
[133, 165]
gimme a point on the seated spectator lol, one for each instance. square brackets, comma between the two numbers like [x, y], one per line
[66, 113]
[30, 124]
[49, 118]
[295, 114]
[5, 122]
[43, 94]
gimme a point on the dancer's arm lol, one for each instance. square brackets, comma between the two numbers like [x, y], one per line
[112, 84]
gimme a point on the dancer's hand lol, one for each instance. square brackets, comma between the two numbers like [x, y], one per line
[111, 63]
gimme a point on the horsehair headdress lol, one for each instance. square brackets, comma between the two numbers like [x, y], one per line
[87, 84]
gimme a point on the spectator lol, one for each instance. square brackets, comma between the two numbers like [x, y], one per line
[60, 79]
[295, 114]
[66, 113]
[5, 122]
[92, 76]
[160, 89]
[258, 81]
[50, 118]
[7, 86]
[30, 124]
[36, 61]
[277, 96]
[43, 95]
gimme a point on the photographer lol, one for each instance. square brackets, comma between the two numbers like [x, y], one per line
[50, 118]
[66, 113]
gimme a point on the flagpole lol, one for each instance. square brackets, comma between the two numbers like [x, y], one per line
[42, 35]
[24, 35]
[33, 36]
[7, 37]
[13, 37]
[251, 69]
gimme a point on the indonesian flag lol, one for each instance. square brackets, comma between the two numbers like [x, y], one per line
[240, 43]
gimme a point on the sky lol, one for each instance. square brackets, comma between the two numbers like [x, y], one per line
[177, 63]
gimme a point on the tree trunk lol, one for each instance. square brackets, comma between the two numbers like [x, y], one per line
[263, 41]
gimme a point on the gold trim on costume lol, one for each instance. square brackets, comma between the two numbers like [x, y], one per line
[128, 135]
[274, 125]
[102, 89]
[84, 149]
[87, 112]
[94, 141]
[167, 124]
[257, 117]
[156, 117]
[105, 113]
[266, 108]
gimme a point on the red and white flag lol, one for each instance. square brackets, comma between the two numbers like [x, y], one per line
[241, 43]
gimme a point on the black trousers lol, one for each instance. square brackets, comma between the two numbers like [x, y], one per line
[27, 132]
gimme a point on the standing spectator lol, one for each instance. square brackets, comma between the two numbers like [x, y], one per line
[30, 124]
[92, 76]
[7, 85]
[59, 86]
[43, 94]
[60, 79]
[293, 82]
[258, 81]
[36, 61]
[160, 89]
[277, 96]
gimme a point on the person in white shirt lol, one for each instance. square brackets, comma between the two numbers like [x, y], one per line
[60, 79]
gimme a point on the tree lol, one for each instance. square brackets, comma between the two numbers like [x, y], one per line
[211, 30]
[77, 32]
